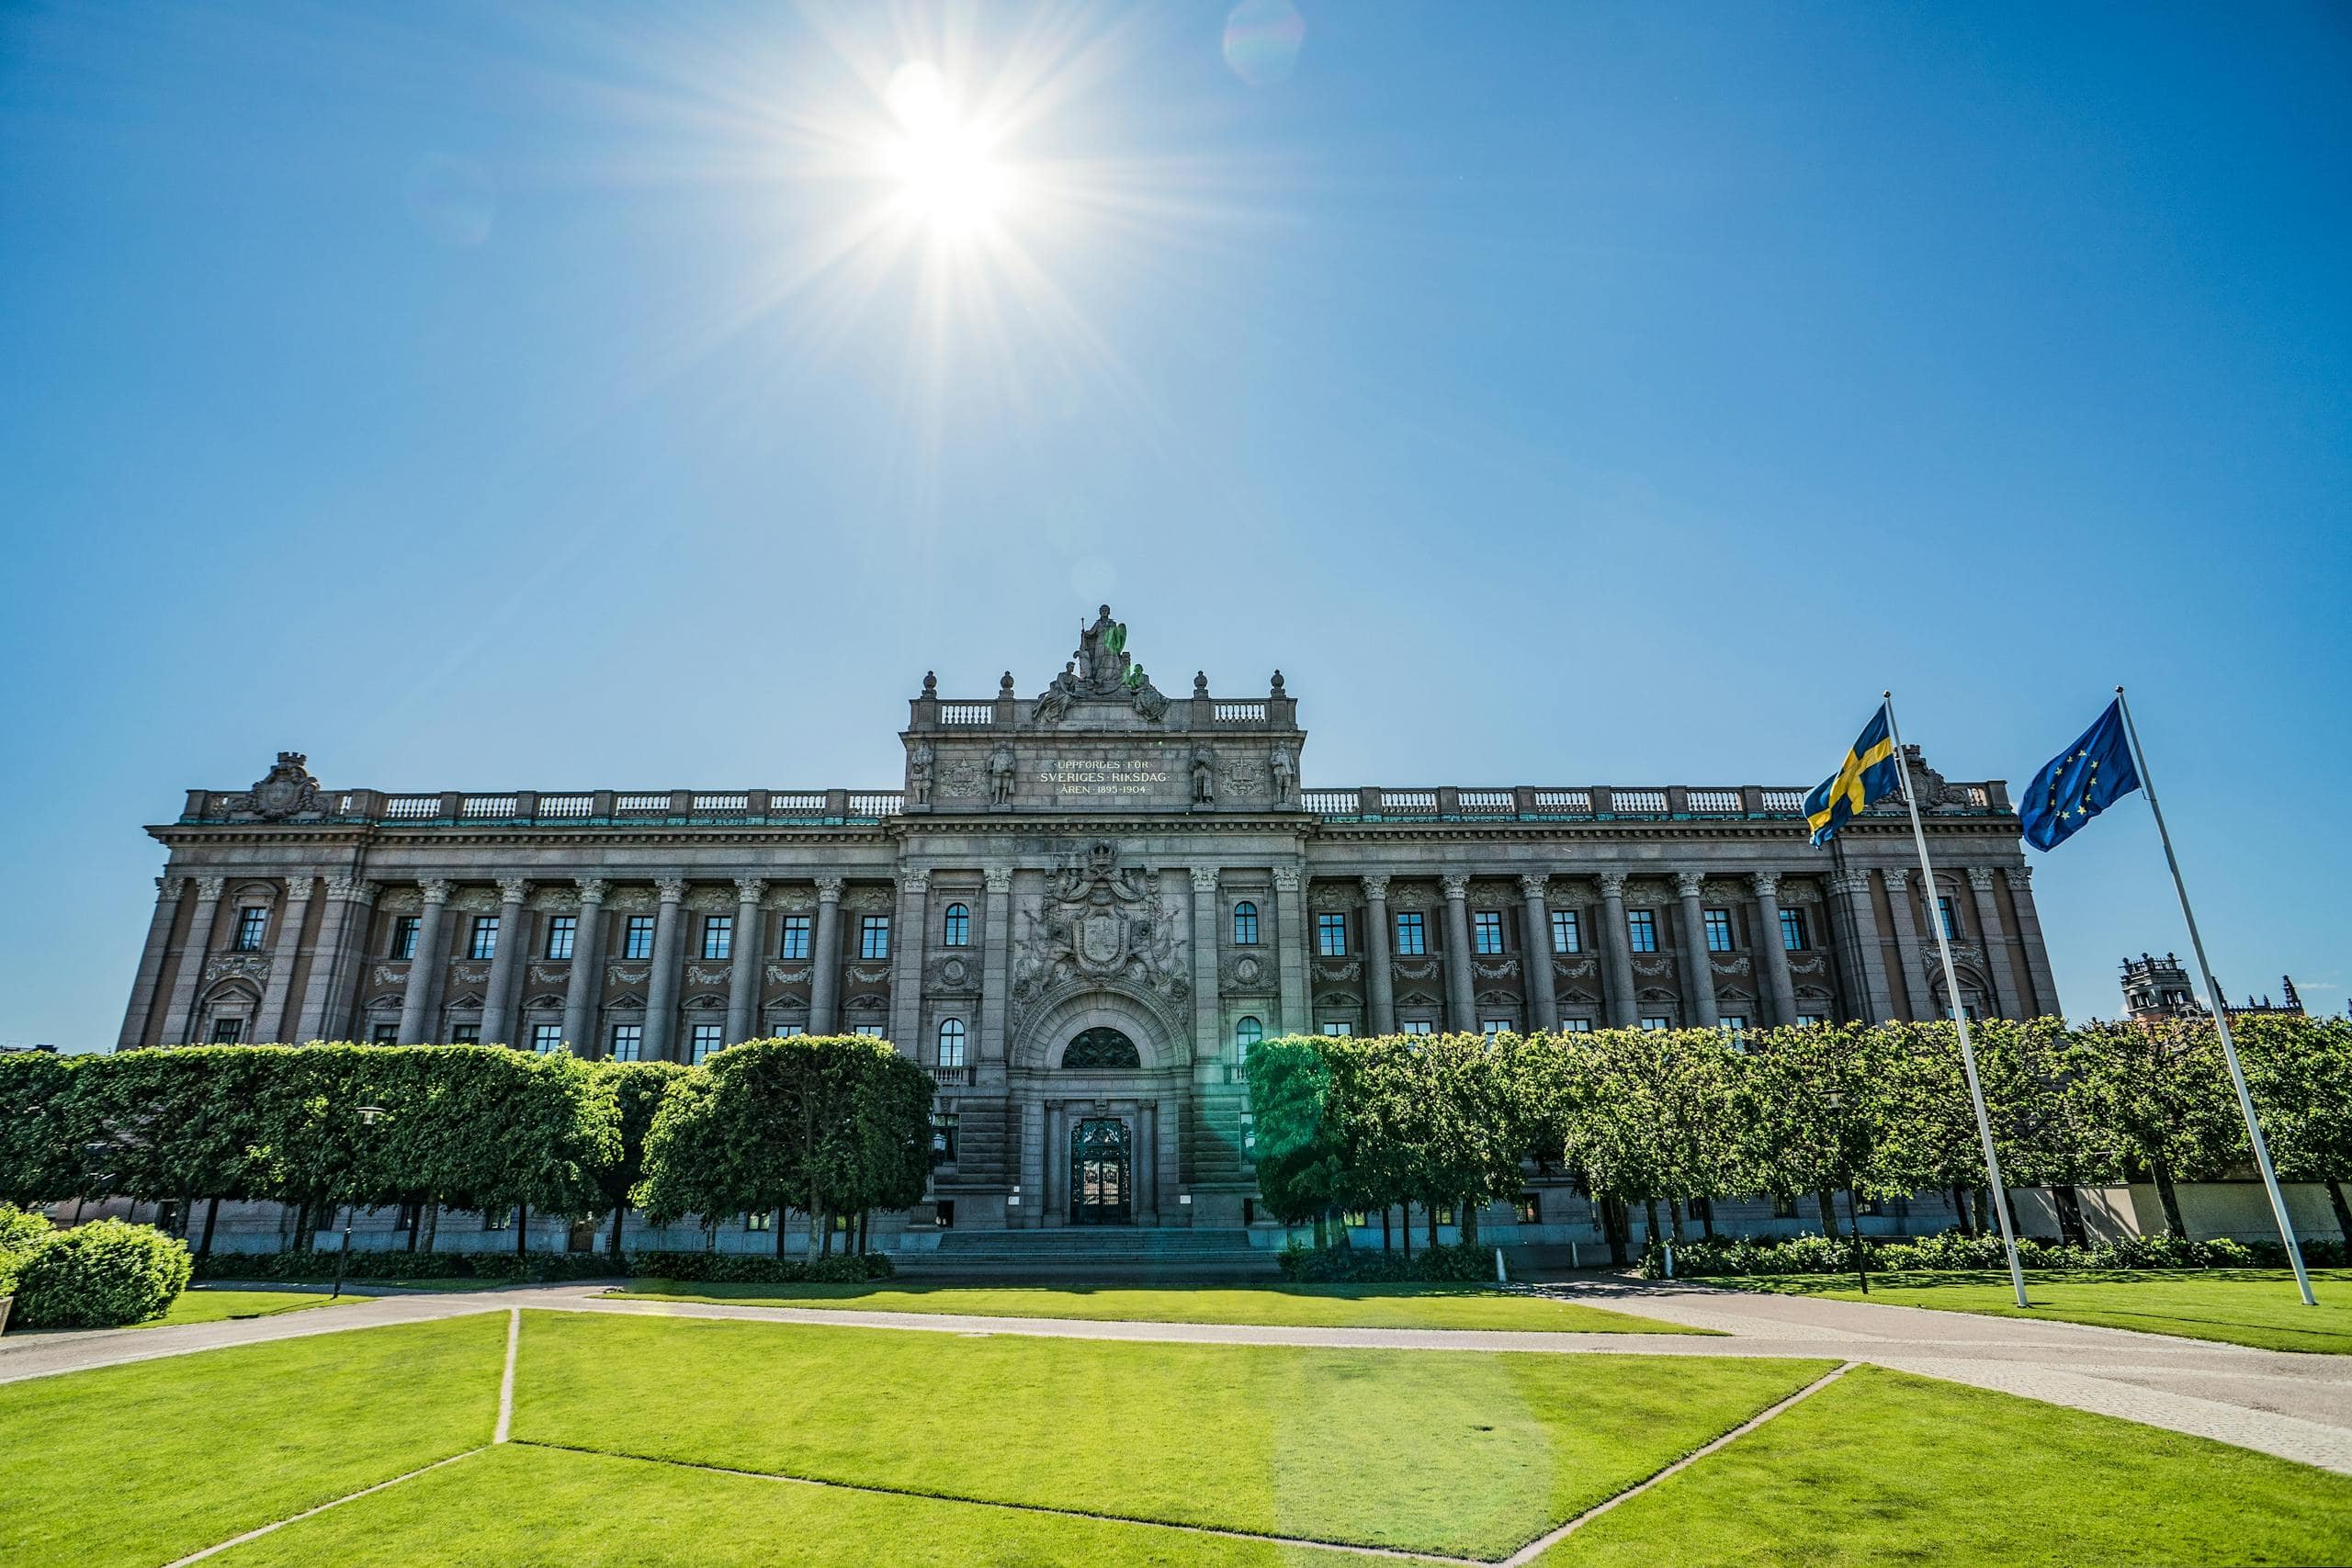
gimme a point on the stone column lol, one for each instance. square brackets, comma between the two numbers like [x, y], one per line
[1379, 971]
[749, 953]
[908, 943]
[1208, 1021]
[825, 977]
[662, 990]
[1290, 931]
[1461, 996]
[179, 1016]
[1907, 942]
[2037, 957]
[1864, 966]
[506, 961]
[292, 915]
[585, 989]
[334, 986]
[1617, 959]
[1543, 999]
[1773, 950]
[168, 892]
[425, 968]
[1698, 965]
[2007, 1001]
[996, 964]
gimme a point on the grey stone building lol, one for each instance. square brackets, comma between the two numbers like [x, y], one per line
[1079, 911]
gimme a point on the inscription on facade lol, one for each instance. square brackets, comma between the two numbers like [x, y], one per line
[1103, 776]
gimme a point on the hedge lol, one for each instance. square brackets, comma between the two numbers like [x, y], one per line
[101, 1275]
[1349, 1264]
[1955, 1250]
[738, 1268]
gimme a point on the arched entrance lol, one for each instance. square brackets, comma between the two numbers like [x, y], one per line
[1102, 1173]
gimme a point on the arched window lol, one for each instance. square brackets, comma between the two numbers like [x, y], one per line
[1245, 924]
[950, 1042]
[957, 926]
[1102, 1047]
[1246, 1035]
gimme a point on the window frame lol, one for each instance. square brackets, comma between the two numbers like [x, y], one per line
[477, 950]
[955, 925]
[1486, 933]
[631, 1035]
[795, 939]
[951, 1033]
[253, 928]
[704, 1041]
[1331, 933]
[1566, 922]
[568, 928]
[1245, 922]
[1718, 931]
[547, 1039]
[405, 929]
[717, 939]
[1794, 937]
[632, 928]
[1641, 930]
[1416, 945]
[873, 939]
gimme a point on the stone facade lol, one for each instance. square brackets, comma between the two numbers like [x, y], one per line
[1099, 872]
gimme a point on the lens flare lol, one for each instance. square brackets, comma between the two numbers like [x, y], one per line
[940, 161]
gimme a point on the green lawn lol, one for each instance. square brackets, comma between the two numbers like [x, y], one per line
[206, 1305]
[1884, 1467]
[138, 1464]
[1320, 1306]
[2244, 1306]
[1456, 1451]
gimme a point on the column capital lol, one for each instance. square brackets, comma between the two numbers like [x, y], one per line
[434, 888]
[1376, 886]
[1457, 884]
[750, 889]
[2021, 877]
[514, 889]
[670, 888]
[171, 889]
[1203, 878]
[829, 890]
[1287, 879]
[351, 889]
[914, 879]
[1980, 877]
[1767, 884]
[998, 879]
[1613, 883]
[1687, 883]
[210, 886]
[298, 888]
[592, 889]
[1535, 886]
[1898, 879]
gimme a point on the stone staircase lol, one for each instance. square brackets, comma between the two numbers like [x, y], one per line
[1121, 1253]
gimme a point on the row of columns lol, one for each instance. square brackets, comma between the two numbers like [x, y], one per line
[281, 1014]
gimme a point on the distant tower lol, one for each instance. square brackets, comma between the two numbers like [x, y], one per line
[2155, 989]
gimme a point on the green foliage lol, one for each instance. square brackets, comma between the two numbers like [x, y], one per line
[304, 1267]
[1955, 1251]
[1466, 1262]
[23, 1231]
[44, 1130]
[747, 1268]
[100, 1275]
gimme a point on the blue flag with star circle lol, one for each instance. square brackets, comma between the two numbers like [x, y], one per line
[2080, 782]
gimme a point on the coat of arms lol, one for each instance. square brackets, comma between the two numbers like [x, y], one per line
[1098, 920]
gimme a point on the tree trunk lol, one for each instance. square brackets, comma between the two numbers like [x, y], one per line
[432, 1223]
[1406, 1225]
[1985, 1222]
[812, 1231]
[212, 1212]
[1469, 1221]
[1960, 1209]
[2070, 1215]
[613, 1243]
[1706, 1207]
[1613, 1227]
[1649, 1222]
[1384, 1244]
[1674, 1217]
[1431, 1211]
[780, 1228]
[1322, 1231]
[301, 1223]
[1828, 1203]
[2343, 1210]
[2171, 1200]
[522, 1228]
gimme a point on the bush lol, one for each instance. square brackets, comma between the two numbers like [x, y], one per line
[101, 1275]
[1956, 1249]
[755, 1268]
[22, 1234]
[1363, 1265]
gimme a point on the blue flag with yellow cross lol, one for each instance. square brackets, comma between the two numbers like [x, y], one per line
[1869, 774]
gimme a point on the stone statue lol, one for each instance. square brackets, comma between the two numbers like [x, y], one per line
[1056, 699]
[1001, 777]
[1203, 776]
[1148, 699]
[1285, 769]
[919, 772]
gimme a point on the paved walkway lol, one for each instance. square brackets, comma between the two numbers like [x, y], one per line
[2298, 1406]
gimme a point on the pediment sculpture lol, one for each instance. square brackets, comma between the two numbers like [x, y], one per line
[1100, 669]
[1100, 921]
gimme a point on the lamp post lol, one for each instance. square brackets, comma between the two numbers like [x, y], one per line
[369, 1114]
[1835, 1102]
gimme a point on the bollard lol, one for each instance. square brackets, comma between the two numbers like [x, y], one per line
[1670, 1260]
[1501, 1277]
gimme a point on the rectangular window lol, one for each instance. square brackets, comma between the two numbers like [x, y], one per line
[1531, 1207]
[466, 1035]
[1566, 935]
[546, 1038]
[563, 929]
[1339, 1027]
[795, 941]
[874, 937]
[944, 1128]
[628, 1042]
[386, 1034]
[1735, 1025]
[1576, 1026]
[1419, 1026]
[1490, 1027]
[1331, 934]
[498, 1219]
[251, 924]
[1951, 918]
[718, 936]
[787, 1031]
[707, 1040]
[1486, 931]
[1809, 1020]
[1412, 936]
[404, 936]
[1792, 932]
[763, 1220]
[228, 1030]
[1657, 1024]
[484, 941]
[636, 941]
[871, 1030]
[1718, 924]
[1641, 930]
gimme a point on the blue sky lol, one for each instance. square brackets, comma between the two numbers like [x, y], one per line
[481, 399]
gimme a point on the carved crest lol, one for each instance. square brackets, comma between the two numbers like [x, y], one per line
[286, 790]
[1098, 920]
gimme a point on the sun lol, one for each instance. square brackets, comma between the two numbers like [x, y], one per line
[947, 178]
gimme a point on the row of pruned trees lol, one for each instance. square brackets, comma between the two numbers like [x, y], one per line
[1674, 1118]
[826, 1126]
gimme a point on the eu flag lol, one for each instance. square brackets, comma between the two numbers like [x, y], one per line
[2080, 782]
[1869, 774]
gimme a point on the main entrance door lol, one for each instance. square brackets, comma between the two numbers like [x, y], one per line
[1102, 1173]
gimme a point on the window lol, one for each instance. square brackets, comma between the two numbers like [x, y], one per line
[1246, 1035]
[945, 1130]
[950, 1042]
[1808, 1020]
[251, 924]
[1412, 935]
[1486, 931]
[1576, 1026]
[1566, 936]
[1718, 924]
[718, 936]
[1490, 1027]
[1245, 924]
[466, 1035]
[1529, 1206]
[483, 943]
[562, 930]
[1792, 932]
[1331, 934]
[874, 936]
[794, 940]
[1339, 1027]
[628, 1042]
[386, 1034]
[955, 926]
[1734, 1024]
[501, 1218]
[404, 936]
[709, 1038]
[638, 940]
[1419, 1026]
[1657, 1024]
[763, 1220]
[228, 1030]
[1641, 930]
[1951, 918]
[871, 1030]
[546, 1038]
[789, 1029]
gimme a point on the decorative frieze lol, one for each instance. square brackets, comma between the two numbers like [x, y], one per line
[784, 975]
[543, 975]
[1495, 969]
[250, 966]
[619, 975]
[704, 975]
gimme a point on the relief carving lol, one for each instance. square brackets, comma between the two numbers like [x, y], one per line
[1098, 920]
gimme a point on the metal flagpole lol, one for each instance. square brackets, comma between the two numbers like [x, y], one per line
[2220, 1016]
[1959, 1012]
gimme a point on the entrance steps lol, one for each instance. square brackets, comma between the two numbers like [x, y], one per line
[1126, 1253]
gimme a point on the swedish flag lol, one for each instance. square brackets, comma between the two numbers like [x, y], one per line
[1869, 774]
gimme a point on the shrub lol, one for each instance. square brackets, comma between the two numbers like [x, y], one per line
[756, 1268]
[22, 1233]
[101, 1275]
[1364, 1265]
[1955, 1249]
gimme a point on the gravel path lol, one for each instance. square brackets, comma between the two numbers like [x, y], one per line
[2298, 1406]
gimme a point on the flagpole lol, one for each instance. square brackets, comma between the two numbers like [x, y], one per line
[2221, 1015]
[1959, 1012]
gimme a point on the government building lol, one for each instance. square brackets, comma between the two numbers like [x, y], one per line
[1080, 910]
